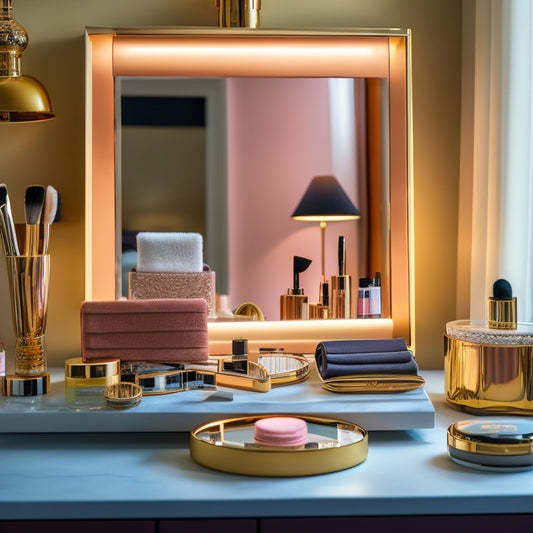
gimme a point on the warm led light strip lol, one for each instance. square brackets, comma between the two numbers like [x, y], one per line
[266, 56]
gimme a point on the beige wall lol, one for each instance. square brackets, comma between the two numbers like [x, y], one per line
[53, 152]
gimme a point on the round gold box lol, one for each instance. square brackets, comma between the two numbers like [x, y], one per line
[489, 371]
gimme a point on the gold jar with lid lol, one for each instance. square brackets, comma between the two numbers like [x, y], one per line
[85, 383]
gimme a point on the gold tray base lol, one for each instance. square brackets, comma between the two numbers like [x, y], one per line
[489, 378]
[228, 446]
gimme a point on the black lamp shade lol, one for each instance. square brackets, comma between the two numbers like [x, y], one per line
[325, 200]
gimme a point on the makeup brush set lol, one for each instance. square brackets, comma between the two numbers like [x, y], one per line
[41, 209]
[28, 269]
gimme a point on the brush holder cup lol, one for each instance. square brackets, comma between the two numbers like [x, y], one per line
[29, 278]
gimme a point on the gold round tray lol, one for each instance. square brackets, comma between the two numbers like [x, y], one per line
[228, 445]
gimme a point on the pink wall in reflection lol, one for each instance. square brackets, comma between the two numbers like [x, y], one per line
[278, 140]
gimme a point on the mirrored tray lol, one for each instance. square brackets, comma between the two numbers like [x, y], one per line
[229, 446]
[281, 368]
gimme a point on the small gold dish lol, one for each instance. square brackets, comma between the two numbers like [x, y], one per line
[123, 395]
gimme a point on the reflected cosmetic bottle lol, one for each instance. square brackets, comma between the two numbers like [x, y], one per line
[294, 305]
[369, 297]
[341, 286]
[321, 310]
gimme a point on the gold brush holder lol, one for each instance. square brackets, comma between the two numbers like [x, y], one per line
[29, 278]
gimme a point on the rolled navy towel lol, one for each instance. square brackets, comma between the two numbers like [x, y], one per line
[169, 252]
[355, 357]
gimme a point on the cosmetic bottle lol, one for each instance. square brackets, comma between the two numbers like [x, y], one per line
[363, 298]
[502, 306]
[487, 366]
[321, 310]
[375, 297]
[341, 302]
[294, 305]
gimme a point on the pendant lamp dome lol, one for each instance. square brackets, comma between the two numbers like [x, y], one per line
[22, 98]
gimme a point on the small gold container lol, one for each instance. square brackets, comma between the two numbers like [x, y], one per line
[85, 383]
[489, 370]
[123, 395]
[502, 444]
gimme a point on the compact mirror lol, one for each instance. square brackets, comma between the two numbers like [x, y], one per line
[230, 446]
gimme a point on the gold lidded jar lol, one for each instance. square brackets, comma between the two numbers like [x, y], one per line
[85, 383]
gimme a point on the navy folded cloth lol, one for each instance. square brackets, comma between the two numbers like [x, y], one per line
[367, 356]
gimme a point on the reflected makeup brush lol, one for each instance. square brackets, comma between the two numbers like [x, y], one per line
[33, 207]
[9, 236]
[49, 215]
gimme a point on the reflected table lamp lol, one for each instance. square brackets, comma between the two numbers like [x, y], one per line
[325, 201]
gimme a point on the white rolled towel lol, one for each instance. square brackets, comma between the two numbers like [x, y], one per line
[169, 252]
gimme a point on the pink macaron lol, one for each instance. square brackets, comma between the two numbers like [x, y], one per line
[281, 431]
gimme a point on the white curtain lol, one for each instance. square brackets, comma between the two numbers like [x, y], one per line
[497, 157]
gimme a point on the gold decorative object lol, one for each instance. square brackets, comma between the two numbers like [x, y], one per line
[123, 395]
[238, 13]
[29, 278]
[22, 98]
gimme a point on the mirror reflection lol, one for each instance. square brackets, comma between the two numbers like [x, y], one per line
[262, 237]
[232, 157]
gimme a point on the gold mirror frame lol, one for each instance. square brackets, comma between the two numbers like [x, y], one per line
[193, 52]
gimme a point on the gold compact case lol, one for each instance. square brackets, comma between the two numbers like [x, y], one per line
[85, 382]
[503, 444]
[230, 446]
[374, 383]
[489, 370]
[123, 395]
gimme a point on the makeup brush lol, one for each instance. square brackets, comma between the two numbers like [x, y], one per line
[7, 226]
[48, 215]
[33, 207]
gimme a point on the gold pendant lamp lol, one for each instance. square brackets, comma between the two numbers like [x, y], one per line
[22, 98]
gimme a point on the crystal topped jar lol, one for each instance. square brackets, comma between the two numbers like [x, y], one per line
[488, 370]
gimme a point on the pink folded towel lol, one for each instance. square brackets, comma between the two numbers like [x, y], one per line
[165, 330]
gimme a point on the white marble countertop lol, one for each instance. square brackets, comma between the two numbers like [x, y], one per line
[151, 475]
[185, 411]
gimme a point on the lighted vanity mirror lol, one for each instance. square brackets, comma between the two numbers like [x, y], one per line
[377, 59]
